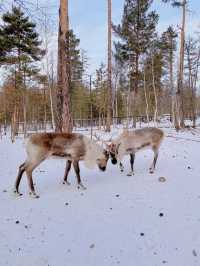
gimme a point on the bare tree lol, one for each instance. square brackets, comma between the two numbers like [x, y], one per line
[179, 93]
[193, 60]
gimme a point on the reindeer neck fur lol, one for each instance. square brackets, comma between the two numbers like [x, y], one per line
[93, 152]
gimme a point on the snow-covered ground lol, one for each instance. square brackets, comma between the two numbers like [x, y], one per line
[118, 220]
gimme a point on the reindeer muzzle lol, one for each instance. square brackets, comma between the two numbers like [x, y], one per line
[102, 168]
[114, 161]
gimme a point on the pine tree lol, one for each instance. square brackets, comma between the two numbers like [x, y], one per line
[136, 30]
[21, 38]
[64, 115]
[21, 50]
[100, 94]
[168, 46]
[76, 64]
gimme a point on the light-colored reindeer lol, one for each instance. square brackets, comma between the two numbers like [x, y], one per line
[129, 142]
[72, 147]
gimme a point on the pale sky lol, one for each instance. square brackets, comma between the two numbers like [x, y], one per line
[88, 19]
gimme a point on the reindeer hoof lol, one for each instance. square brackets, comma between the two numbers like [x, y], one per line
[17, 193]
[66, 183]
[81, 186]
[130, 174]
[33, 195]
[151, 171]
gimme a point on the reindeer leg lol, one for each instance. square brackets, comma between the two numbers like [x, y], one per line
[77, 171]
[152, 168]
[132, 159]
[29, 170]
[18, 179]
[121, 167]
[30, 184]
[67, 169]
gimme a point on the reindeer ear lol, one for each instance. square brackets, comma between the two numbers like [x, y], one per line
[117, 148]
[106, 152]
[107, 146]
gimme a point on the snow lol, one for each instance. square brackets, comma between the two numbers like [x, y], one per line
[118, 220]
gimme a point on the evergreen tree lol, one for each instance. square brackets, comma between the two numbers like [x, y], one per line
[21, 38]
[136, 30]
[168, 47]
[76, 64]
[22, 50]
[100, 93]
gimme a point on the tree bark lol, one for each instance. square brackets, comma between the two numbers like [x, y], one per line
[64, 115]
[179, 93]
[154, 90]
[109, 81]
[146, 100]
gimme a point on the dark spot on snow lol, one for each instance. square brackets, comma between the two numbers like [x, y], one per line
[111, 209]
[17, 222]
[4, 191]
[117, 196]
[92, 245]
[142, 234]
[161, 214]
[194, 252]
[164, 261]
[162, 179]
[66, 203]
[189, 167]
[26, 226]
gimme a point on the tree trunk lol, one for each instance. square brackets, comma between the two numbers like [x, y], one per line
[194, 89]
[146, 100]
[154, 90]
[109, 81]
[179, 93]
[64, 116]
[91, 109]
[51, 99]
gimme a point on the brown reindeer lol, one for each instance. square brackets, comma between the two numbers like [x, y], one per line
[73, 147]
[129, 142]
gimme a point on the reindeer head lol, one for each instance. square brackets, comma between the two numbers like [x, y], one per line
[102, 160]
[113, 151]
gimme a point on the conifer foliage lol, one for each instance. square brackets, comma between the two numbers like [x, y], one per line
[136, 30]
[19, 40]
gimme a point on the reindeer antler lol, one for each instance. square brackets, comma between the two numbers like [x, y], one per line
[104, 142]
[97, 137]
